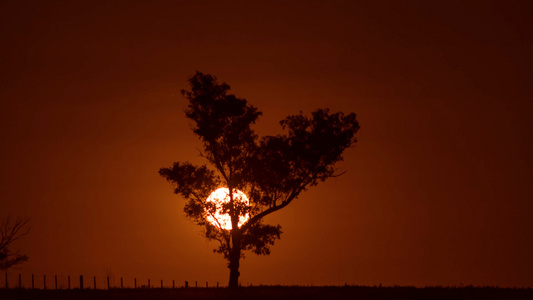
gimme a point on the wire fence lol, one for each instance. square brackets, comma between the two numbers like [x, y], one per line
[80, 282]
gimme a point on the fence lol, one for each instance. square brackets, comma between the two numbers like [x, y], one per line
[91, 285]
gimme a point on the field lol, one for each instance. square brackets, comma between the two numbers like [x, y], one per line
[277, 292]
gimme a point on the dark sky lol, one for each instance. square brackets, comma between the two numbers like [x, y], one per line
[437, 189]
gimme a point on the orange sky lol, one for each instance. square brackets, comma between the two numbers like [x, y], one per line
[438, 188]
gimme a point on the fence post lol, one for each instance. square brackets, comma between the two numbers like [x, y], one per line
[7, 284]
[161, 283]
[135, 282]
[32, 282]
[55, 277]
[172, 283]
[20, 281]
[196, 284]
[217, 284]
[108, 282]
[68, 277]
[94, 281]
[81, 282]
[186, 284]
[148, 282]
[121, 283]
[44, 284]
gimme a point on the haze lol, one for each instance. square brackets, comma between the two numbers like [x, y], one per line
[437, 189]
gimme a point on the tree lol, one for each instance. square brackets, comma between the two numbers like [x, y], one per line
[10, 231]
[272, 171]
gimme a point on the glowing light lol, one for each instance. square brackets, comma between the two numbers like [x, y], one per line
[221, 197]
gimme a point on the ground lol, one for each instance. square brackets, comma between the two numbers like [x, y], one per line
[277, 292]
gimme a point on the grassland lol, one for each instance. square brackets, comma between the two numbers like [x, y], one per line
[276, 292]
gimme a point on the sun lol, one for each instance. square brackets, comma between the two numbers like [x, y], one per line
[220, 197]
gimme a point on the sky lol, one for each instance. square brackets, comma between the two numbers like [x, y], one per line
[437, 190]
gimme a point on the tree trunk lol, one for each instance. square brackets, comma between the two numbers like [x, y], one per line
[234, 258]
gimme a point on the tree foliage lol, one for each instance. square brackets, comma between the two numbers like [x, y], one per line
[272, 171]
[10, 231]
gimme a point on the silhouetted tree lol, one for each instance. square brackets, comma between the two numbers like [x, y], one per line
[271, 171]
[10, 231]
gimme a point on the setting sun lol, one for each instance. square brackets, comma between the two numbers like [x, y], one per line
[220, 197]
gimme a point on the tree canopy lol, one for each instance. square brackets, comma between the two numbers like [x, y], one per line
[10, 231]
[272, 170]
